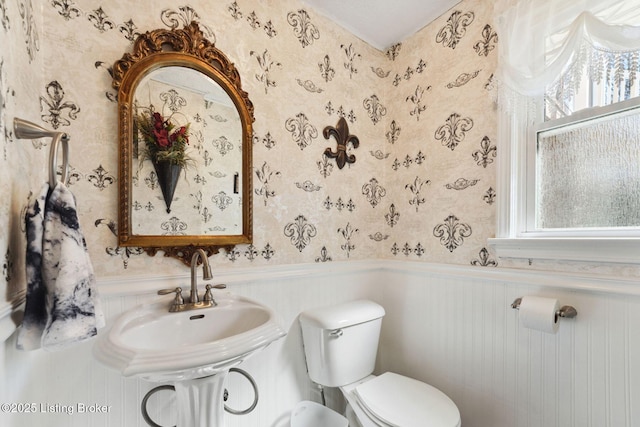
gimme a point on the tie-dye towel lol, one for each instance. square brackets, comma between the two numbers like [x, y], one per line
[62, 306]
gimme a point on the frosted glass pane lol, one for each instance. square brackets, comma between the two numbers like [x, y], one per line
[588, 174]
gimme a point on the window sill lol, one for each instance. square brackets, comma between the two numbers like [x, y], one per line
[599, 249]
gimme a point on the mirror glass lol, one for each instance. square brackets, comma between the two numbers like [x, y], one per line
[207, 198]
[185, 129]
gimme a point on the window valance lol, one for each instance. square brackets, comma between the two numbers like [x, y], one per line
[547, 46]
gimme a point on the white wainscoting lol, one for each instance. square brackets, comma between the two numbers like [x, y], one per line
[451, 326]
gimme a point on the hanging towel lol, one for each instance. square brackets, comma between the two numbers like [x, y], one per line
[73, 312]
[35, 310]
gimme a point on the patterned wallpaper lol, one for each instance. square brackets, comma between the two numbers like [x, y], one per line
[422, 186]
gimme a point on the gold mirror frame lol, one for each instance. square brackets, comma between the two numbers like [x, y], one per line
[189, 48]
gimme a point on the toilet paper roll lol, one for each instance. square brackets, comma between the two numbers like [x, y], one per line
[539, 313]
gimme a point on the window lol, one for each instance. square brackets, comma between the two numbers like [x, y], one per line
[587, 172]
[569, 131]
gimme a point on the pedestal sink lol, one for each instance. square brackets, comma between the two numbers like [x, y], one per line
[192, 349]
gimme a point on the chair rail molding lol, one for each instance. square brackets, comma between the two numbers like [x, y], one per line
[116, 286]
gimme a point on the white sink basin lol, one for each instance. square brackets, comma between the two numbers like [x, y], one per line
[149, 342]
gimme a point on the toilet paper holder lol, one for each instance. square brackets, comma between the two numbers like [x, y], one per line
[566, 311]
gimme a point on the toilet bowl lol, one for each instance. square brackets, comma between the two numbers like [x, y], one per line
[312, 414]
[340, 346]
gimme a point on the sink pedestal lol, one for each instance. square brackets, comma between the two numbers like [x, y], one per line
[201, 401]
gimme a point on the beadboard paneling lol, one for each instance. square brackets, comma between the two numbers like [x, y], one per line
[460, 335]
[450, 326]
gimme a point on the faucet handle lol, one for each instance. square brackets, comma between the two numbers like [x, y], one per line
[178, 291]
[207, 295]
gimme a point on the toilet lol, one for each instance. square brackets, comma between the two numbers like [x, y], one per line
[340, 346]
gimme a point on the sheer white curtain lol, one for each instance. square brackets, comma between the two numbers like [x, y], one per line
[547, 45]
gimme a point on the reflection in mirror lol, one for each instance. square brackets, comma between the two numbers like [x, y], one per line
[207, 198]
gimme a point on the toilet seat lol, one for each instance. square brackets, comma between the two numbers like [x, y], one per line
[393, 400]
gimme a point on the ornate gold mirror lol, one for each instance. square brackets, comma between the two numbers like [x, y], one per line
[185, 129]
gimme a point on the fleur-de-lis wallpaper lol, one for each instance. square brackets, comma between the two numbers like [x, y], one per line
[424, 118]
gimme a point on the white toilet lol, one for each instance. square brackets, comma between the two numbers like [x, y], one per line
[340, 345]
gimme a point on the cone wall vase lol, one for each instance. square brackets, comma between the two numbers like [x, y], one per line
[168, 174]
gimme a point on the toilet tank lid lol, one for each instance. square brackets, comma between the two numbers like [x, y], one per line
[342, 315]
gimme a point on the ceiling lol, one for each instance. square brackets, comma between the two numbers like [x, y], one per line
[381, 23]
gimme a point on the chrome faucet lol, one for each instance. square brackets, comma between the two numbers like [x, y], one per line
[178, 303]
[206, 273]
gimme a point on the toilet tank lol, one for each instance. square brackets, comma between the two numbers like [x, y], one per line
[341, 341]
